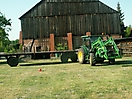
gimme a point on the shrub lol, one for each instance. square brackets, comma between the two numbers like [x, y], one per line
[60, 46]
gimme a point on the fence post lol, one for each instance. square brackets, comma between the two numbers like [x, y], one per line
[52, 42]
[20, 38]
[70, 47]
[88, 33]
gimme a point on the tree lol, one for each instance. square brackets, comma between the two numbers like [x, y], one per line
[121, 18]
[5, 25]
[128, 31]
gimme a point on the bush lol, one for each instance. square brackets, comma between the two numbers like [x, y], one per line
[60, 46]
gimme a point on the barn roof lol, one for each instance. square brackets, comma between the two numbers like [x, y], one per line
[64, 2]
[68, 0]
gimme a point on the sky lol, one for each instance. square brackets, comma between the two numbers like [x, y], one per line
[13, 9]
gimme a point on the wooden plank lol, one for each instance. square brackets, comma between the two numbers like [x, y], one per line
[46, 25]
[56, 26]
[50, 9]
[43, 27]
[86, 23]
[27, 26]
[39, 8]
[74, 25]
[37, 28]
[83, 24]
[40, 28]
[65, 25]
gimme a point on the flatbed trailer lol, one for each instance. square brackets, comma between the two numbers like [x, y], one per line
[13, 58]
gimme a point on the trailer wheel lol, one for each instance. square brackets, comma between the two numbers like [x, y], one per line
[81, 56]
[92, 59]
[64, 58]
[73, 57]
[12, 61]
[111, 61]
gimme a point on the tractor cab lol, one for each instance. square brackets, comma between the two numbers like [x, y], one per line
[88, 40]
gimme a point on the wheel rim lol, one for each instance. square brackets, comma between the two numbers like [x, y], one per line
[80, 56]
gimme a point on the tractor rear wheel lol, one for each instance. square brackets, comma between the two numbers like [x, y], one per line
[92, 59]
[81, 56]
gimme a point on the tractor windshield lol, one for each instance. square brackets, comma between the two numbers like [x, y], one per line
[93, 38]
[87, 40]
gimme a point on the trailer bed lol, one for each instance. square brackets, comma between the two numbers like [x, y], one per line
[13, 58]
[32, 53]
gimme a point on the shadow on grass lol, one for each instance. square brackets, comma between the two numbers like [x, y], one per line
[3, 62]
[120, 62]
[123, 63]
[38, 64]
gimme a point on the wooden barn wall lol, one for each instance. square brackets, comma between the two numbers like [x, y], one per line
[40, 27]
[77, 42]
[68, 16]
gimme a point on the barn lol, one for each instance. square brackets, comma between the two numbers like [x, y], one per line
[51, 21]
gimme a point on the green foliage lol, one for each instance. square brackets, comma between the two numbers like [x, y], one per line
[4, 22]
[13, 47]
[5, 25]
[121, 18]
[60, 46]
[1, 49]
[9, 49]
[5, 44]
[128, 31]
[121, 14]
[20, 48]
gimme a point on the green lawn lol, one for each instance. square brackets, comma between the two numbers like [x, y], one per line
[66, 81]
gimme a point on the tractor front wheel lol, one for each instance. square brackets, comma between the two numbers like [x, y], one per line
[92, 59]
[81, 56]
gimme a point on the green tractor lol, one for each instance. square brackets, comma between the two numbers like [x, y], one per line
[96, 50]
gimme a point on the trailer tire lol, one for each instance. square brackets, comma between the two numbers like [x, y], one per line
[111, 61]
[64, 58]
[12, 61]
[92, 59]
[81, 56]
[73, 57]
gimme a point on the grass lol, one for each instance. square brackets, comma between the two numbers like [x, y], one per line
[66, 81]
